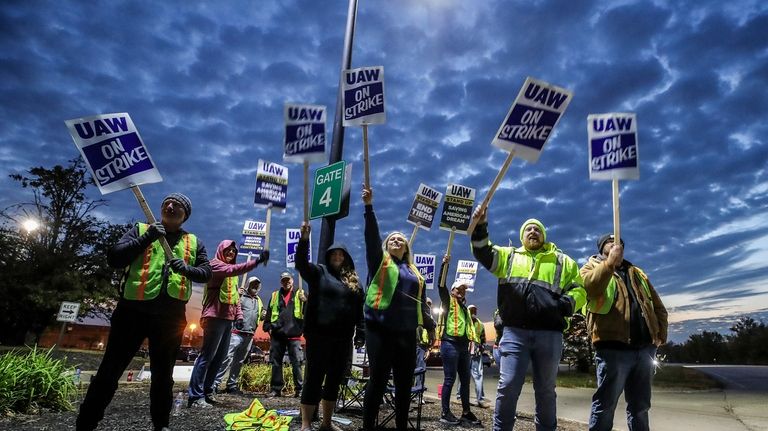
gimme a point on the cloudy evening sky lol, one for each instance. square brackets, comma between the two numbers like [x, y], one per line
[205, 83]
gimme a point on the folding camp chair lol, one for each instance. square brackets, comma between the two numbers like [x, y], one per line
[352, 388]
[416, 396]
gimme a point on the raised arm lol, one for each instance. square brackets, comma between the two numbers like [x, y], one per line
[373, 251]
[308, 270]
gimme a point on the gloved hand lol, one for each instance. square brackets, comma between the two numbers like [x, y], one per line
[155, 230]
[178, 266]
[264, 257]
[239, 324]
[566, 305]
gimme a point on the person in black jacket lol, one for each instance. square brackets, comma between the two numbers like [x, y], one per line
[334, 313]
[284, 323]
[394, 307]
[153, 298]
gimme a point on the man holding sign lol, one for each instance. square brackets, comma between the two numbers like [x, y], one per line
[152, 305]
[539, 289]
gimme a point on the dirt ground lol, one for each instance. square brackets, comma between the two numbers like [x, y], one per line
[129, 411]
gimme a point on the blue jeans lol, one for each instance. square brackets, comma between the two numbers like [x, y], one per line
[630, 371]
[519, 347]
[455, 359]
[239, 345]
[476, 367]
[421, 363]
[216, 333]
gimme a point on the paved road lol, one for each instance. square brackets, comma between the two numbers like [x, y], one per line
[672, 410]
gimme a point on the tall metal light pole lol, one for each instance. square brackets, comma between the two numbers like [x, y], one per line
[328, 228]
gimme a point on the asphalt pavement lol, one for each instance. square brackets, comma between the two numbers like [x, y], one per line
[674, 410]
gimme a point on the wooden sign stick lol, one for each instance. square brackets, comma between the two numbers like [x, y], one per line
[306, 191]
[413, 236]
[151, 219]
[365, 157]
[616, 224]
[492, 190]
[269, 221]
[444, 273]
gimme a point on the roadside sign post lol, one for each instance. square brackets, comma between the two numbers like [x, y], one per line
[67, 314]
[327, 191]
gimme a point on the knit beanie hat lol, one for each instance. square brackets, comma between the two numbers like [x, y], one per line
[603, 239]
[183, 200]
[537, 223]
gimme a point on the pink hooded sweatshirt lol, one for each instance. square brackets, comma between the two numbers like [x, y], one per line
[221, 270]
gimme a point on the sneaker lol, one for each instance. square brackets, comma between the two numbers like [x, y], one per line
[233, 391]
[469, 418]
[211, 399]
[297, 394]
[483, 404]
[448, 418]
[198, 404]
[274, 394]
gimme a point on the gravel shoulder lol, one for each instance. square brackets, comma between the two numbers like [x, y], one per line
[129, 410]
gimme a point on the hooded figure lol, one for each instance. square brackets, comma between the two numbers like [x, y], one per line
[334, 309]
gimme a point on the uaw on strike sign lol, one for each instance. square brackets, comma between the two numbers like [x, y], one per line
[364, 96]
[613, 146]
[304, 133]
[113, 151]
[529, 122]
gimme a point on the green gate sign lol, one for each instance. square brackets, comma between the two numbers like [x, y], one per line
[326, 194]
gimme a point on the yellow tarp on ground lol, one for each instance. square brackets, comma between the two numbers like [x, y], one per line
[256, 418]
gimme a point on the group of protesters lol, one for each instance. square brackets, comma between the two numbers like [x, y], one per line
[540, 288]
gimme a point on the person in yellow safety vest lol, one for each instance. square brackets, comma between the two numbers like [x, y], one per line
[539, 289]
[284, 323]
[627, 321]
[221, 308]
[242, 337]
[456, 332]
[154, 293]
[394, 307]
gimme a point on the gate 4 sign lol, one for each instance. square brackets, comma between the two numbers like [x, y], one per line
[113, 151]
[364, 96]
[425, 263]
[424, 207]
[529, 122]
[613, 146]
[68, 312]
[326, 195]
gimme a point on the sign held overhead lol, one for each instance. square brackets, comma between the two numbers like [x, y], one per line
[613, 152]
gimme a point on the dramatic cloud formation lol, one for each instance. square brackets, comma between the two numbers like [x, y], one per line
[205, 84]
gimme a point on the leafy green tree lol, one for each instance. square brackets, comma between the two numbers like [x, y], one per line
[577, 345]
[707, 347]
[748, 341]
[64, 259]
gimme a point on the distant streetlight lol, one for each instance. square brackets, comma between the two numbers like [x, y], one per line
[437, 310]
[192, 327]
[30, 225]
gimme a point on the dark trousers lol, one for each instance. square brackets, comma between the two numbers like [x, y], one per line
[455, 360]
[326, 360]
[277, 347]
[389, 350]
[128, 331]
[216, 335]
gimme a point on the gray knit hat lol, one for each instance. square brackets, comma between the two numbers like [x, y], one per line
[183, 200]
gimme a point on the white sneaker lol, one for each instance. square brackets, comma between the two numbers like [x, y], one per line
[200, 404]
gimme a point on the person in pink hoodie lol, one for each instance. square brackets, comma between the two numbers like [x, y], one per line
[221, 308]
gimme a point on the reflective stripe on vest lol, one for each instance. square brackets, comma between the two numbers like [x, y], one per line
[603, 303]
[456, 319]
[228, 293]
[143, 278]
[384, 282]
[276, 311]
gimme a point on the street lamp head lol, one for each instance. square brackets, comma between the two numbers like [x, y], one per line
[192, 327]
[30, 225]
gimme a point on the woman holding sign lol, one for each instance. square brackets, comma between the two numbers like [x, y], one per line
[457, 330]
[334, 308]
[394, 307]
[221, 307]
